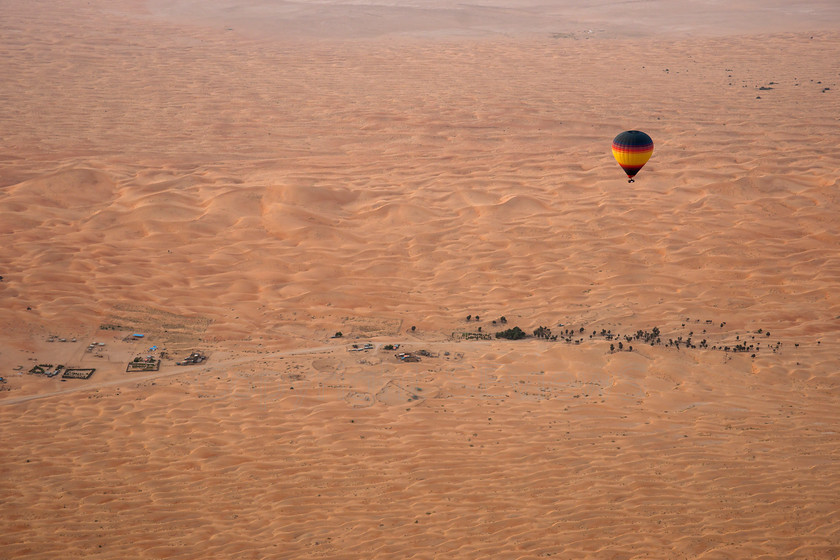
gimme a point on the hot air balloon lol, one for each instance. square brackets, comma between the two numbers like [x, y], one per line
[631, 149]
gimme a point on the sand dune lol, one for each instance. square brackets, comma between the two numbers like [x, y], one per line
[251, 181]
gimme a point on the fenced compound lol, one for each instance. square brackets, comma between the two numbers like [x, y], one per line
[78, 373]
[471, 336]
[48, 370]
[143, 364]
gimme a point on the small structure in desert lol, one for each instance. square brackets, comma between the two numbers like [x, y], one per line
[407, 357]
[47, 370]
[78, 373]
[192, 359]
[148, 363]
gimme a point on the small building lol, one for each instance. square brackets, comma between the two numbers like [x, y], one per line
[192, 359]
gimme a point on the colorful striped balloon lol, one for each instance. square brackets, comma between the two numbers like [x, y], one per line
[632, 149]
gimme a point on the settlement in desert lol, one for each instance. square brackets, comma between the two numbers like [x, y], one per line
[362, 280]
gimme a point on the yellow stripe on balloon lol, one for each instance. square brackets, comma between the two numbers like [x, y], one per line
[625, 157]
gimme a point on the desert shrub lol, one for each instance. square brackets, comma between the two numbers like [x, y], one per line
[512, 334]
[543, 332]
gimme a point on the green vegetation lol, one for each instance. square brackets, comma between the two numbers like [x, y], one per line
[512, 334]
[544, 332]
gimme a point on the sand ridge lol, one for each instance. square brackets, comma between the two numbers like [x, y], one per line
[250, 194]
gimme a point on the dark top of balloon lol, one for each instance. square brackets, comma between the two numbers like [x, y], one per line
[633, 138]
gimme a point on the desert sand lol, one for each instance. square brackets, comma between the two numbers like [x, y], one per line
[249, 178]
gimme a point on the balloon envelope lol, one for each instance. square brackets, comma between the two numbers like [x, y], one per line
[632, 149]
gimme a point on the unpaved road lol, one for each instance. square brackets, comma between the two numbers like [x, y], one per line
[224, 364]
